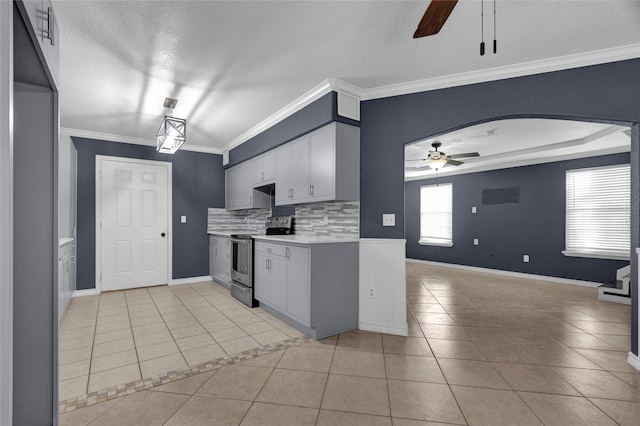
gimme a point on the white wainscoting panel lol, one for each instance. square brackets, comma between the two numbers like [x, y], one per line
[383, 273]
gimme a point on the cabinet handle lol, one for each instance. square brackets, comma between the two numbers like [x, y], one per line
[48, 30]
[262, 175]
[250, 199]
[311, 190]
[287, 253]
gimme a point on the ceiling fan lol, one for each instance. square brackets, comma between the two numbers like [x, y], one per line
[437, 159]
[434, 18]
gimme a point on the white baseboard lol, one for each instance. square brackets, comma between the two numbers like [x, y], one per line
[510, 273]
[398, 331]
[86, 292]
[614, 298]
[190, 280]
[634, 360]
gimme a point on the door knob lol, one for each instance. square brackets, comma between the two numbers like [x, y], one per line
[163, 234]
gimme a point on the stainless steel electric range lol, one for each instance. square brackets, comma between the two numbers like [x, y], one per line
[242, 287]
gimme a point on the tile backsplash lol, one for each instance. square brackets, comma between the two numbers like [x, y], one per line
[336, 219]
[249, 221]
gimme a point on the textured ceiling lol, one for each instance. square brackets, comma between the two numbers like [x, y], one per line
[233, 64]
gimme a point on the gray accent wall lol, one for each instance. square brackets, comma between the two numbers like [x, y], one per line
[198, 183]
[605, 93]
[315, 115]
[534, 225]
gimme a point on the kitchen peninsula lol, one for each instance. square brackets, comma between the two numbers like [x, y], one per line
[310, 282]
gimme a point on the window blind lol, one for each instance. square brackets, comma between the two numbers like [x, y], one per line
[598, 212]
[436, 208]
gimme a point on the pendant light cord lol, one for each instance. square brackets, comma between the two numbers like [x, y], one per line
[495, 42]
[481, 27]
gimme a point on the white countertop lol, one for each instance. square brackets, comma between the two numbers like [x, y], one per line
[304, 239]
[234, 232]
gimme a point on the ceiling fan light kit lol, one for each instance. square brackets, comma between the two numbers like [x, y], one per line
[172, 133]
[437, 159]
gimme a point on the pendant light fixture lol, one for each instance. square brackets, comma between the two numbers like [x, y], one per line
[173, 131]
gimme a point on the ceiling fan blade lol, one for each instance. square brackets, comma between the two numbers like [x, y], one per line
[454, 162]
[416, 159]
[465, 155]
[434, 18]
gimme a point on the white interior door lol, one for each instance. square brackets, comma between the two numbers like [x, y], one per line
[133, 224]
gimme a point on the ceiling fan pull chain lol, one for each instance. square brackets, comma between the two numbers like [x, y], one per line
[495, 42]
[482, 27]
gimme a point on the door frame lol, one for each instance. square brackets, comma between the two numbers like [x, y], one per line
[168, 165]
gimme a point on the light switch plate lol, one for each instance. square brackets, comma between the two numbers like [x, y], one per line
[389, 219]
[475, 241]
[474, 210]
[183, 219]
[525, 258]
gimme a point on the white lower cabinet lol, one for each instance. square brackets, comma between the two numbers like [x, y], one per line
[282, 272]
[220, 259]
[298, 283]
[313, 287]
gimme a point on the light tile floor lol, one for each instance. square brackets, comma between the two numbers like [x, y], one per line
[482, 349]
[123, 336]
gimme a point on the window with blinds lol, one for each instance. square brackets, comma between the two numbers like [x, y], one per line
[598, 212]
[436, 211]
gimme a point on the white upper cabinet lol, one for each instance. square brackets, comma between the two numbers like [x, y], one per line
[264, 169]
[43, 21]
[321, 166]
[239, 192]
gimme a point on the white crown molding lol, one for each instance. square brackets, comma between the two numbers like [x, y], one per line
[132, 140]
[311, 96]
[517, 70]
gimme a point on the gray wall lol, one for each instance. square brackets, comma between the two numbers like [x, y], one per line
[534, 226]
[35, 245]
[198, 183]
[315, 115]
[606, 93]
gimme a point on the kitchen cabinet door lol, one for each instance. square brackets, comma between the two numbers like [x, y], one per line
[261, 277]
[322, 173]
[278, 282]
[283, 175]
[264, 169]
[298, 284]
[270, 280]
[299, 179]
[45, 27]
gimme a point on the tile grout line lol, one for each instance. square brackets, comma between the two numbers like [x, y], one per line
[172, 376]
[326, 383]
[135, 346]
[444, 376]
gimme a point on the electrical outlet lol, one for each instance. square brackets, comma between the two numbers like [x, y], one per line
[372, 292]
[183, 219]
[475, 241]
[389, 219]
[474, 210]
[525, 258]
